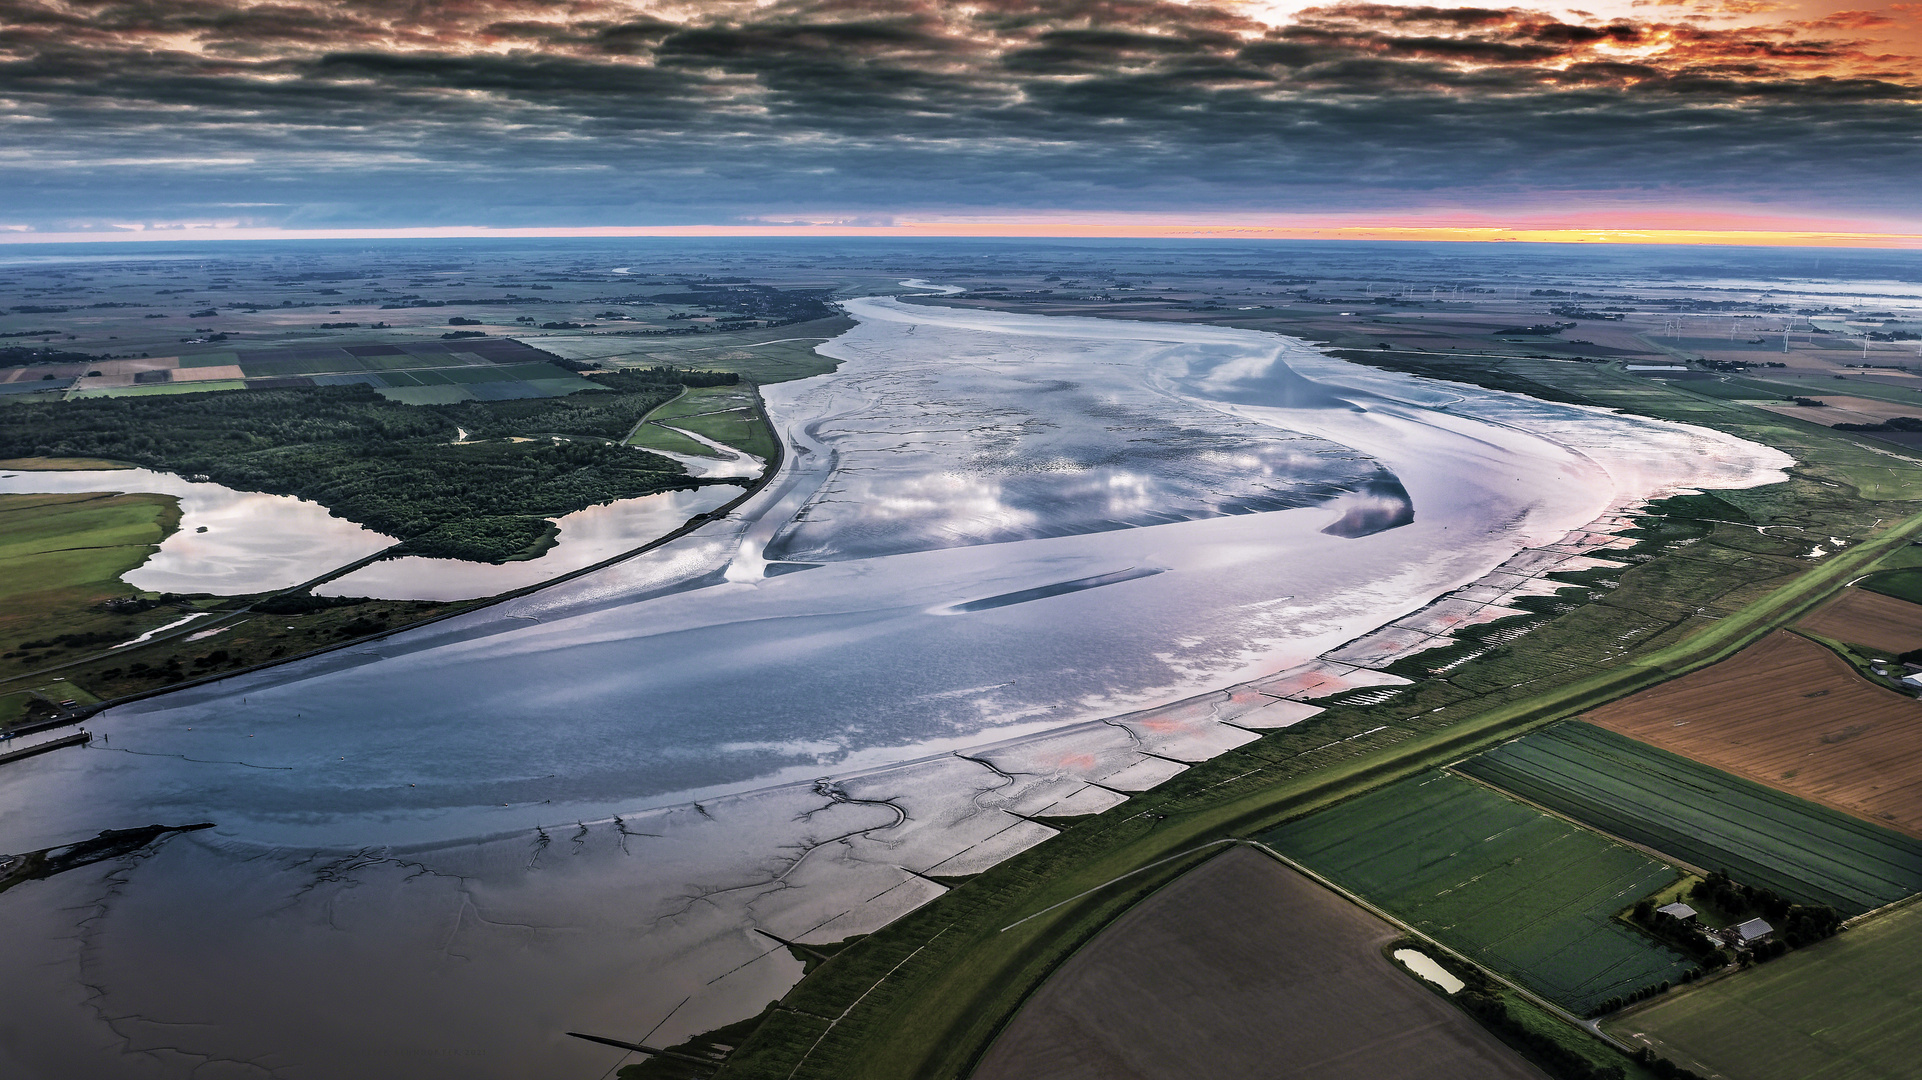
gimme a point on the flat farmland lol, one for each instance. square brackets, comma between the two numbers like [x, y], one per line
[1904, 584]
[60, 556]
[725, 414]
[1868, 618]
[1242, 967]
[698, 400]
[1843, 1009]
[1705, 817]
[1520, 891]
[1846, 409]
[739, 428]
[1789, 713]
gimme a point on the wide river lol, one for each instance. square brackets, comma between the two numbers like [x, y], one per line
[436, 853]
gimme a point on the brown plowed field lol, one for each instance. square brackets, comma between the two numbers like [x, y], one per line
[1788, 713]
[1243, 968]
[1866, 618]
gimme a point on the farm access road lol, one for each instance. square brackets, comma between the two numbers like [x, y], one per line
[944, 1001]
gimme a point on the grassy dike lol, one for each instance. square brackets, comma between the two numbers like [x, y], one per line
[924, 996]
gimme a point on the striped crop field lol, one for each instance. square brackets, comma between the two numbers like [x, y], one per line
[1517, 890]
[1707, 818]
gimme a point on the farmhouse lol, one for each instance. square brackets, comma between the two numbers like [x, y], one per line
[1748, 933]
[1679, 911]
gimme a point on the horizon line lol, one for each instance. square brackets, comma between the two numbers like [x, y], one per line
[1064, 230]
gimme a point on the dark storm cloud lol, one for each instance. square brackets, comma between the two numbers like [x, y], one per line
[513, 113]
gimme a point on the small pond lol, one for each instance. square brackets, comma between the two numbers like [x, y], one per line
[1425, 966]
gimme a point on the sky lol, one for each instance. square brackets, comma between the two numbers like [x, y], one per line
[1661, 118]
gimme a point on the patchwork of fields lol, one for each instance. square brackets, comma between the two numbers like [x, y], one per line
[419, 373]
[1842, 1010]
[1707, 818]
[1519, 891]
[1790, 714]
[414, 372]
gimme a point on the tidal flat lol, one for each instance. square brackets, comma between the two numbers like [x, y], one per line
[605, 805]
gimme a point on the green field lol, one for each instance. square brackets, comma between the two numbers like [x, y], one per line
[1809, 385]
[1878, 481]
[1707, 818]
[60, 556]
[296, 365]
[762, 356]
[1738, 389]
[1905, 584]
[705, 399]
[1522, 892]
[212, 359]
[726, 414]
[739, 428]
[1844, 1009]
[476, 373]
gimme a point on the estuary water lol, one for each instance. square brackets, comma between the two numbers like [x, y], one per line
[229, 542]
[580, 809]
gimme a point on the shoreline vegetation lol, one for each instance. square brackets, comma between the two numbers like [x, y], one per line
[401, 470]
[927, 994]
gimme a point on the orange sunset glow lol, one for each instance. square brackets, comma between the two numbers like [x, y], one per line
[1672, 121]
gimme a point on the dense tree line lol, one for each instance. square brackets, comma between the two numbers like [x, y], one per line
[1622, 1001]
[1897, 423]
[20, 355]
[394, 468]
[1795, 924]
[1679, 934]
[685, 378]
[754, 301]
[1663, 1067]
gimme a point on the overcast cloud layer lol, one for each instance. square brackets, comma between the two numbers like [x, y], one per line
[518, 113]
